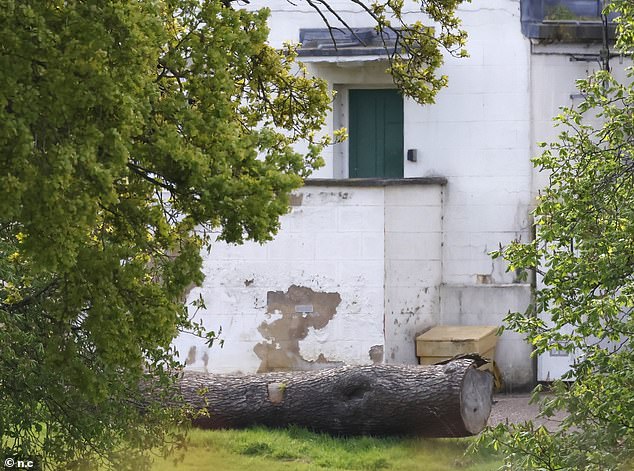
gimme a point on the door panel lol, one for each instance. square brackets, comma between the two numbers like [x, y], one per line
[375, 134]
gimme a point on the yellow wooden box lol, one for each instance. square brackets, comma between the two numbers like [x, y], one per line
[446, 341]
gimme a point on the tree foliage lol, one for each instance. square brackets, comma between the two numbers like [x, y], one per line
[584, 256]
[129, 130]
[418, 53]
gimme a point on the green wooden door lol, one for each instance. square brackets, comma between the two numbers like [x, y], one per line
[375, 143]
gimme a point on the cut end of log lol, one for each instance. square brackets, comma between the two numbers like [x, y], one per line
[476, 399]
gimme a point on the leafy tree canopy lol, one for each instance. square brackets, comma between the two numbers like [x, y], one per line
[584, 256]
[128, 131]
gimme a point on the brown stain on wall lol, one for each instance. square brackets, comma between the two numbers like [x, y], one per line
[296, 199]
[280, 350]
[191, 355]
[376, 354]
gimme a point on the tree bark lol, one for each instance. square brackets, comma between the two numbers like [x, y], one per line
[450, 400]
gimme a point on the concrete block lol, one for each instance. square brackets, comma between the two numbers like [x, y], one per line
[484, 218]
[246, 251]
[502, 134]
[439, 136]
[366, 301]
[400, 338]
[413, 246]
[312, 219]
[514, 52]
[274, 274]
[464, 107]
[218, 299]
[460, 198]
[481, 304]
[232, 273]
[410, 195]
[339, 246]
[415, 273]
[413, 218]
[373, 246]
[488, 78]
[460, 75]
[469, 271]
[460, 253]
[233, 357]
[366, 327]
[361, 273]
[456, 277]
[249, 300]
[508, 107]
[476, 54]
[360, 219]
[465, 192]
[288, 246]
[410, 300]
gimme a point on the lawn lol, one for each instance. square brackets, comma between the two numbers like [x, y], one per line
[298, 449]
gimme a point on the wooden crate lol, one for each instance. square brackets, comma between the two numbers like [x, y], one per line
[446, 341]
[490, 354]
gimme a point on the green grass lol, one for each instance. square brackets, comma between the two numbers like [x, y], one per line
[298, 449]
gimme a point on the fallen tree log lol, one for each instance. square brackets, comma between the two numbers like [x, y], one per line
[450, 400]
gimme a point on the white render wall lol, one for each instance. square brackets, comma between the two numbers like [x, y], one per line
[396, 274]
[477, 135]
[333, 245]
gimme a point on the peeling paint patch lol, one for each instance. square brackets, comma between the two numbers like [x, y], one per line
[484, 279]
[296, 199]
[376, 354]
[301, 308]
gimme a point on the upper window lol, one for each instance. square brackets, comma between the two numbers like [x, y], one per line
[375, 128]
[564, 20]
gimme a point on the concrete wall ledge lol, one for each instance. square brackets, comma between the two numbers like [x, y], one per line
[487, 285]
[376, 182]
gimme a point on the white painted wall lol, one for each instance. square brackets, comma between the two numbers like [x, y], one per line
[334, 240]
[477, 135]
[405, 258]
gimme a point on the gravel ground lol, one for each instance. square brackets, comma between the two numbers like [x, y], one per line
[516, 408]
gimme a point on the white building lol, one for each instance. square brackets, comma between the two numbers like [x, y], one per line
[362, 265]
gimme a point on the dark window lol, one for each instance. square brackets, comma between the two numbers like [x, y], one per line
[564, 20]
[375, 144]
